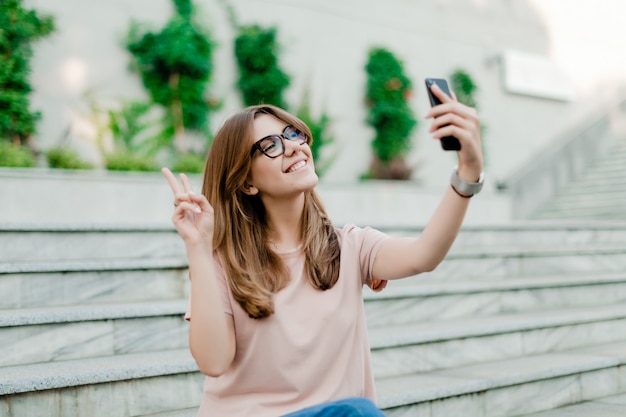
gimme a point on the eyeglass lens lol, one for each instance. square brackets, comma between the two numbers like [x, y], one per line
[273, 146]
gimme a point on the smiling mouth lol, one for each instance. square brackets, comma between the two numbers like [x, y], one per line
[297, 166]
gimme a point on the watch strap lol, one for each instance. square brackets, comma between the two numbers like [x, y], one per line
[464, 188]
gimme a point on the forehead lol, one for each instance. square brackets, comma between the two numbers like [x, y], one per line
[265, 125]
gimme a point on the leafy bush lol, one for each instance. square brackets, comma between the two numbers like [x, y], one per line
[15, 156]
[65, 158]
[127, 161]
[260, 78]
[190, 162]
[388, 90]
[19, 28]
[132, 129]
[175, 65]
[464, 87]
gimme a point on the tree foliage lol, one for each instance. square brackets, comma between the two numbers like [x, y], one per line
[388, 90]
[175, 65]
[261, 81]
[19, 29]
[464, 87]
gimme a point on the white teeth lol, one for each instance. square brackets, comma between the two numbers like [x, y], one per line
[296, 166]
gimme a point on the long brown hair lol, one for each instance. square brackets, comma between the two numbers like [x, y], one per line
[255, 272]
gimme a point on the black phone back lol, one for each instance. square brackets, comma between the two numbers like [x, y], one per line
[448, 143]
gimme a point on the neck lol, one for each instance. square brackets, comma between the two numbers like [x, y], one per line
[283, 218]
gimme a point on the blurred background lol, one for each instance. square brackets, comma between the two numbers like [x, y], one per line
[536, 66]
[123, 86]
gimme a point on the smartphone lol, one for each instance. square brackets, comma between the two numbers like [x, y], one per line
[448, 143]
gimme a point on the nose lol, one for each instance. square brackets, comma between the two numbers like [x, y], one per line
[291, 147]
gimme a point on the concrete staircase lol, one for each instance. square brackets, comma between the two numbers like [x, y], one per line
[600, 193]
[518, 320]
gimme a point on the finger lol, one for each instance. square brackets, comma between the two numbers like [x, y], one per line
[180, 197]
[450, 119]
[186, 183]
[438, 92]
[187, 206]
[452, 107]
[202, 202]
[171, 179]
[452, 130]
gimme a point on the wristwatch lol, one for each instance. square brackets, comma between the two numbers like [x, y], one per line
[463, 188]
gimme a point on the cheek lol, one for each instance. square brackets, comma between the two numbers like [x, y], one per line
[261, 171]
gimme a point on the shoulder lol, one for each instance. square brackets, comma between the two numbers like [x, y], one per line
[351, 234]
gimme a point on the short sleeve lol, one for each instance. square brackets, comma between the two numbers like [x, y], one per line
[365, 242]
[223, 288]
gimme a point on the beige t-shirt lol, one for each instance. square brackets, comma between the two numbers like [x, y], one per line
[313, 349]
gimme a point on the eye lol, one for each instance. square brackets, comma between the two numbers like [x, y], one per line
[269, 144]
[294, 134]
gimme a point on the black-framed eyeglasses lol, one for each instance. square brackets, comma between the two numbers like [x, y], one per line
[273, 146]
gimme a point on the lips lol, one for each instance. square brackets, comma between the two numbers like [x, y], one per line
[296, 166]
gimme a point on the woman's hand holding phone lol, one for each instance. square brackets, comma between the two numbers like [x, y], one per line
[458, 121]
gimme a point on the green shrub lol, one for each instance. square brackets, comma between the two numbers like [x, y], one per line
[388, 90]
[190, 162]
[15, 156]
[19, 29]
[128, 161]
[464, 87]
[261, 81]
[65, 158]
[175, 65]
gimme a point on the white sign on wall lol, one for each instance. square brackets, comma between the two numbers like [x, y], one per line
[534, 75]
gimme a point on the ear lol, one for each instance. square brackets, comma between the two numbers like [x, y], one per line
[250, 189]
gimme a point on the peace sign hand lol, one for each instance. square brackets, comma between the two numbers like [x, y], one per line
[193, 216]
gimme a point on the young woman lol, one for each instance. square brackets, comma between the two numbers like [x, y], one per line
[276, 313]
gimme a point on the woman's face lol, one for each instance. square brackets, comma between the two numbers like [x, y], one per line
[286, 175]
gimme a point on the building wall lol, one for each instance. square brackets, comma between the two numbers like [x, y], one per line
[324, 49]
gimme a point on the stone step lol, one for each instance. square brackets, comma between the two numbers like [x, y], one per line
[587, 201]
[601, 183]
[42, 284]
[165, 384]
[59, 283]
[187, 412]
[617, 215]
[78, 332]
[502, 262]
[613, 212]
[429, 346]
[511, 387]
[611, 165]
[427, 299]
[614, 158]
[611, 406]
[53, 243]
[119, 386]
[20, 244]
[506, 388]
[593, 175]
[532, 234]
